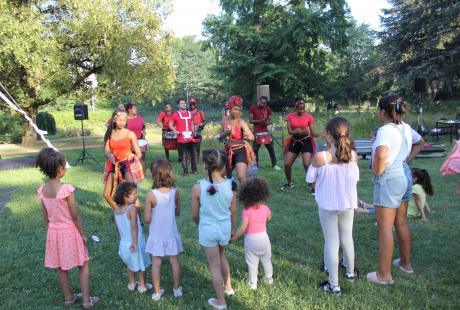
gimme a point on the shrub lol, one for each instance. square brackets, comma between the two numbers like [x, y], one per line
[45, 121]
[11, 128]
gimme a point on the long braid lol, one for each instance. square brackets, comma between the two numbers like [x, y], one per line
[212, 188]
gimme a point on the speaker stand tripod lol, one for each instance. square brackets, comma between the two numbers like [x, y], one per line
[84, 154]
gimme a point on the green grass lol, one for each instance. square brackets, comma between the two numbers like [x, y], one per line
[297, 246]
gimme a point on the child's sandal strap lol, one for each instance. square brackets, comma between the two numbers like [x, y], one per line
[76, 297]
[92, 302]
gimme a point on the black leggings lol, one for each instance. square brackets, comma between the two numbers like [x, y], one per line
[187, 148]
[271, 151]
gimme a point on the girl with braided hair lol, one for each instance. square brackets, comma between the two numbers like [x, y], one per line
[214, 211]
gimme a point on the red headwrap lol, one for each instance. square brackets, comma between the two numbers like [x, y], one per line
[235, 101]
[192, 101]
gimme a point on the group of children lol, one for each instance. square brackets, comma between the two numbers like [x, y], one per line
[213, 210]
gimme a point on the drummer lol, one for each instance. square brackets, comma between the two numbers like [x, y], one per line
[199, 122]
[136, 124]
[169, 139]
[259, 116]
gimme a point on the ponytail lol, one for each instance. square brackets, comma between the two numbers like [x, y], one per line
[339, 128]
[211, 188]
[394, 109]
[426, 182]
[344, 147]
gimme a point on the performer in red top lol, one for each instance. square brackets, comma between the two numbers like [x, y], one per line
[136, 124]
[169, 138]
[259, 115]
[238, 133]
[300, 129]
[199, 122]
[182, 124]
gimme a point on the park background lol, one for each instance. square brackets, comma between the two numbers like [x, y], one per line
[51, 54]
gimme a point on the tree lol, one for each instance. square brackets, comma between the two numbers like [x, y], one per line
[49, 48]
[422, 39]
[284, 44]
[193, 65]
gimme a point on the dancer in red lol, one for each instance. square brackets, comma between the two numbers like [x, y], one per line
[237, 130]
[300, 129]
[199, 122]
[136, 124]
[182, 124]
[259, 115]
[169, 138]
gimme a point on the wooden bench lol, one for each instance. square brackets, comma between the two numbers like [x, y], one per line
[364, 148]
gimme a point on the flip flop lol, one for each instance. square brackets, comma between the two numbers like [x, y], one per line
[372, 276]
[76, 297]
[397, 263]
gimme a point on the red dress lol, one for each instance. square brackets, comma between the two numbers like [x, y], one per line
[64, 245]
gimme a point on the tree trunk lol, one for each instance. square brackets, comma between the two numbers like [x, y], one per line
[30, 137]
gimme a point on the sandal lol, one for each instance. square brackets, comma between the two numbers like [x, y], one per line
[397, 263]
[92, 302]
[372, 276]
[76, 297]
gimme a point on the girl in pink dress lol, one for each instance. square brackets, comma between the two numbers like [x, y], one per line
[65, 240]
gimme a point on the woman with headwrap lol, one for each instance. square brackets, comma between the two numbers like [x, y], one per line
[238, 134]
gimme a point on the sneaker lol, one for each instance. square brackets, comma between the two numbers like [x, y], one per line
[143, 289]
[313, 192]
[323, 268]
[276, 168]
[213, 302]
[326, 287]
[132, 287]
[229, 291]
[157, 296]
[287, 186]
[252, 286]
[351, 277]
[177, 292]
[268, 280]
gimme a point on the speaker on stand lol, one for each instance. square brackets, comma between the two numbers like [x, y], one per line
[80, 113]
[420, 88]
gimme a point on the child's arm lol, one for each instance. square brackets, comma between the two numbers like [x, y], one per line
[76, 218]
[177, 201]
[45, 213]
[132, 215]
[196, 203]
[150, 202]
[418, 203]
[427, 207]
[241, 230]
[233, 209]
[269, 216]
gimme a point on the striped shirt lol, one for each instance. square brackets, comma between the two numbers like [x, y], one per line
[335, 184]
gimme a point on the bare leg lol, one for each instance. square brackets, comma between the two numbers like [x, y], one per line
[385, 219]
[63, 278]
[306, 160]
[214, 262]
[225, 268]
[141, 276]
[131, 279]
[241, 170]
[404, 236]
[84, 282]
[108, 191]
[156, 265]
[290, 157]
[167, 154]
[174, 261]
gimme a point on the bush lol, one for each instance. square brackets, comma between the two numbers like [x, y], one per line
[11, 128]
[45, 121]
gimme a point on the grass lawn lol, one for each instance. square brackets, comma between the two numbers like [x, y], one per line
[297, 246]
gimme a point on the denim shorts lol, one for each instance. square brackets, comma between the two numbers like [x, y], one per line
[213, 234]
[389, 189]
[408, 194]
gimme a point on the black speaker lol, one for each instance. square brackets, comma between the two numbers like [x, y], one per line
[419, 85]
[80, 111]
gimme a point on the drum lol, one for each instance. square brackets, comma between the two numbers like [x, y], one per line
[263, 137]
[187, 134]
[143, 145]
[170, 140]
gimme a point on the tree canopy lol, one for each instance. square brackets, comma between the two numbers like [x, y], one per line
[50, 48]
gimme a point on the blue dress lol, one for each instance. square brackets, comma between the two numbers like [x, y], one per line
[136, 261]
